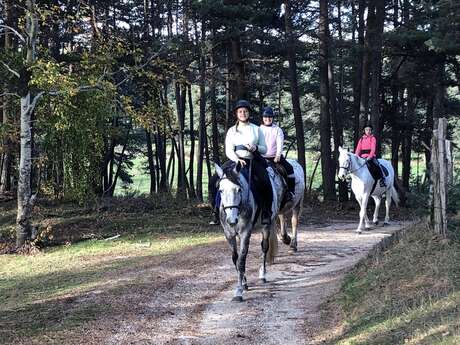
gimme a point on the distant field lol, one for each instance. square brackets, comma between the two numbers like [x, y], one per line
[141, 180]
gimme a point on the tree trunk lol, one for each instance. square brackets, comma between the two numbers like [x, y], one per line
[407, 138]
[192, 146]
[212, 96]
[238, 82]
[6, 157]
[180, 106]
[357, 87]
[327, 167]
[25, 198]
[291, 54]
[364, 97]
[152, 172]
[376, 26]
[201, 130]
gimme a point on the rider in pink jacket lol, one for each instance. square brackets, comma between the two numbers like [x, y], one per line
[366, 145]
[366, 149]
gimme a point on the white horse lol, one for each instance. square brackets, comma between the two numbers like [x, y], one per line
[362, 183]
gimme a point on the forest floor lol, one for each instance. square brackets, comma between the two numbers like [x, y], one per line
[172, 282]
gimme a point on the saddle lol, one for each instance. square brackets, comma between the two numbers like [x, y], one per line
[279, 168]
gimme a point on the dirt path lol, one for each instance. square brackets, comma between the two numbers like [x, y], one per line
[190, 301]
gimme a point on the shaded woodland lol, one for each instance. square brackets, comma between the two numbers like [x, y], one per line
[88, 86]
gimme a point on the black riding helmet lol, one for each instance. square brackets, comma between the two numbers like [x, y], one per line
[242, 104]
[268, 112]
[368, 124]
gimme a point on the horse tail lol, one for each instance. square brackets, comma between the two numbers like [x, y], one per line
[272, 244]
[394, 195]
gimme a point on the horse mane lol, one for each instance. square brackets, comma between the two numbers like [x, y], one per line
[231, 175]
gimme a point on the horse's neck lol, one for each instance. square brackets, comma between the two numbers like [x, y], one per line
[357, 164]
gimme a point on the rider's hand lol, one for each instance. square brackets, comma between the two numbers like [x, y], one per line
[242, 162]
[277, 159]
[251, 147]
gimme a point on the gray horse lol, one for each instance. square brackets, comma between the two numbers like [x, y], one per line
[238, 216]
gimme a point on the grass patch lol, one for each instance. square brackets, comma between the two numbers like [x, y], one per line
[410, 294]
[65, 287]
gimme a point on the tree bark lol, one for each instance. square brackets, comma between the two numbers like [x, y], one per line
[6, 157]
[192, 145]
[357, 86]
[152, 171]
[25, 198]
[327, 167]
[376, 27]
[201, 129]
[407, 138]
[291, 54]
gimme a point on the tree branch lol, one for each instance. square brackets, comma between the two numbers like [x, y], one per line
[3, 26]
[9, 94]
[141, 66]
[11, 70]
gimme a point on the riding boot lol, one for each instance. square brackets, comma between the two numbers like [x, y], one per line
[215, 217]
[291, 185]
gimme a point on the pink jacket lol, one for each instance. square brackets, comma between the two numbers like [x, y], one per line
[274, 138]
[367, 143]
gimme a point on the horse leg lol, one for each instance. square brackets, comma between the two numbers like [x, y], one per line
[284, 236]
[362, 213]
[377, 201]
[232, 242]
[241, 265]
[387, 206]
[264, 244]
[294, 224]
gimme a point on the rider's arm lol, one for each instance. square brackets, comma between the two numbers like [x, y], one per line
[279, 142]
[261, 145]
[373, 147]
[230, 146]
[358, 148]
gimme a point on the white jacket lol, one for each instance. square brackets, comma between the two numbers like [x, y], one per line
[245, 134]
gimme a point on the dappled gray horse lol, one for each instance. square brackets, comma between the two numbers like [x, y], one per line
[239, 217]
[293, 208]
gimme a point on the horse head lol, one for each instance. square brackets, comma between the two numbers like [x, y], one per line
[231, 192]
[344, 163]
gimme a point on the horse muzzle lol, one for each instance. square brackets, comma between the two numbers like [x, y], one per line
[232, 222]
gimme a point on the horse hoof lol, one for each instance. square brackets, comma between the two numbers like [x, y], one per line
[358, 231]
[376, 223]
[245, 286]
[286, 240]
[386, 223]
[237, 299]
[263, 280]
[292, 249]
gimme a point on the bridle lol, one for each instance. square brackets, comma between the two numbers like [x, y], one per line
[233, 206]
[347, 168]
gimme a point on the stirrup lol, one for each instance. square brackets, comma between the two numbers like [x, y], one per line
[382, 183]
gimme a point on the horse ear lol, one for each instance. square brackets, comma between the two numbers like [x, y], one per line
[219, 170]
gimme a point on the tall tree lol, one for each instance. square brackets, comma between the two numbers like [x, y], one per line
[295, 98]
[327, 163]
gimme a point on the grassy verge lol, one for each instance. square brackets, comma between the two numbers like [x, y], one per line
[410, 294]
[64, 287]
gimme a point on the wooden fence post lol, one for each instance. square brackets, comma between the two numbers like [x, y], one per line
[441, 177]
